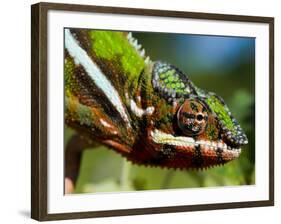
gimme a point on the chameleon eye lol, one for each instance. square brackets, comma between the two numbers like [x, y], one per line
[192, 117]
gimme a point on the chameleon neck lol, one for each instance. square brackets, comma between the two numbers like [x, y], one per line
[104, 77]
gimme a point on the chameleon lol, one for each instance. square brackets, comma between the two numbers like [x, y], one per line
[148, 111]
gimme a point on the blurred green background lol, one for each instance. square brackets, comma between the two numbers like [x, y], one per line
[224, 65]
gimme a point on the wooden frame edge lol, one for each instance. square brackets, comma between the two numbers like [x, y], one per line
[34, 113]
[154, 12]
[271, 111]
[155, 210]
[38, 112]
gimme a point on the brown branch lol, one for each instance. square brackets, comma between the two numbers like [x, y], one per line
[73, 155]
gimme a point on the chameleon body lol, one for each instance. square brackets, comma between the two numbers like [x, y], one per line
[148, 111]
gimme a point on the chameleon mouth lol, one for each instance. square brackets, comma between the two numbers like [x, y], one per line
[187, 143]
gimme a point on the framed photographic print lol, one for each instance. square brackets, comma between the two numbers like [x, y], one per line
[138, 111]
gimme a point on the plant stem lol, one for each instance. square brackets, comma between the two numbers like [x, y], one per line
[124, 177]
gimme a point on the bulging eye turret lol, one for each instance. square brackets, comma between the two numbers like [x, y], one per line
[192, 117]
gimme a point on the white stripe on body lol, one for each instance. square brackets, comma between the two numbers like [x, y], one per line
[81, 57]
[139, 112]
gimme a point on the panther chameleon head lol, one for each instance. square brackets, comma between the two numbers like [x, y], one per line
[205, 132]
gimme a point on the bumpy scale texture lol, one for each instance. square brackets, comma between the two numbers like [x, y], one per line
[148, 111]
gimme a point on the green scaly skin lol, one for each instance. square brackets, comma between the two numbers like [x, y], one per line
[164, 119]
